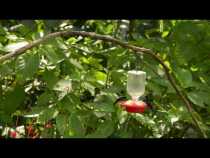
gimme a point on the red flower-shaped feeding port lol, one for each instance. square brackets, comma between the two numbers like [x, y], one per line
[133, 106]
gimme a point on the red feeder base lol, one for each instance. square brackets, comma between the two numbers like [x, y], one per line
[133, 106]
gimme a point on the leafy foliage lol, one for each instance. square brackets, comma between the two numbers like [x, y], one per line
[74, 81]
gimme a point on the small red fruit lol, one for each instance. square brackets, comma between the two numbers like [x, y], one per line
[133, 106]
[29, 128]
[13, 134]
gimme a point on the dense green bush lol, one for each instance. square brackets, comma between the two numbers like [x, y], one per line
[66, 86]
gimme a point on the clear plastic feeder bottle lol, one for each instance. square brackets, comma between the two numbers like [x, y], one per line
[136, 84]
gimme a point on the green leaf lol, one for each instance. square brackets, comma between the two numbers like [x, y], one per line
[145, 120]
[185, 77]
[196, 98]
[103, 131]
[69, 102]
[48, 114]
[125, 134]
[117, 54]
[36, 110]
[50, 78]
[5, 70]
[156, 88]
[90, 87]
[165, 33]
[2, 30]
[118, 77]
[13, 99]
[96, 77]
[122, 115]
[76, 126]
[62, 124]
[109, 29]
[186, 31]
[199, 97]
[2, 49]
[75, 63]
[50, 24]
[5, 118]
[105, 103]
[204, 95]
[31, 65]
[45, 98]
[53, 55]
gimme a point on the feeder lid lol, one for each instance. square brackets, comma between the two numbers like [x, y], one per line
[136, 72]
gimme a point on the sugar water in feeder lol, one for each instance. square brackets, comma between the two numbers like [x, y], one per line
[136, 84]
[135, 88]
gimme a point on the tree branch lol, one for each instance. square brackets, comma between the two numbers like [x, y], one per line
[114, 41]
